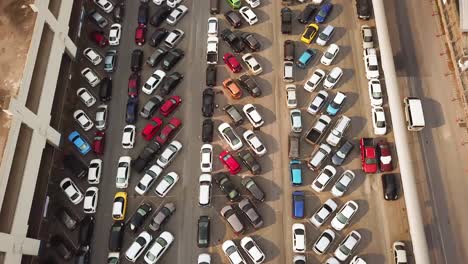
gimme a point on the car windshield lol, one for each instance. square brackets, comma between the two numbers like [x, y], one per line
[231, 136]
[309, 32]
[346, 251]
[371, 161]
[377, 94]
[368, 39]
[380, 124]
[331, 79]
[373, 67]
[328, 55]
[341, 218]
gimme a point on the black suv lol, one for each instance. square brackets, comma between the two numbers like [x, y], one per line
[236, 43]
[248, 83]
[207, 131]
[233, 18]
[105, 89]
[143, 12]
[116, 236]
[170, 83]
[162, 12]
[307, 14]
[208, 102]
[211, 75]
[203, 231]
[251, 41]
[86, 232]
[140, 216]
[171, 59]
[158, 35]
[137, 60]
[250, 162]
[145, 156]
[363, 9]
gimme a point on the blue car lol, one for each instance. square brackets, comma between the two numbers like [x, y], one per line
[298, 204]
[335, 106]
[132, 109]
[306, 58]
[323, 13]
[296, 172]
[79, 142]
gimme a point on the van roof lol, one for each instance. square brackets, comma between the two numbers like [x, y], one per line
[416, 111]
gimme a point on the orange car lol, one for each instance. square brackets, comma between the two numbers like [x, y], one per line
[233, 88]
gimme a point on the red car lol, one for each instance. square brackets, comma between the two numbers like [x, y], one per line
[98, 142]
[140, 34]
[232, 62]
[133, 84]
[99, 38]
[229, 162]
[170, 105]
[151, 128]
[368, 155]
[168, 131]
[385, 156]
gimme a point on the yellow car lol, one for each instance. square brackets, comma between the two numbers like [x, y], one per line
[120, 206]
[309, 33]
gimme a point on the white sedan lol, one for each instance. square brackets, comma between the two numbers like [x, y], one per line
[90, 200]
[324, 177]
[206, 158]
[123, 172]
[253, 3]
[168, 155]
[232, 252]
[166, 184]
[159, 247]
[128, 137]
[204, 258]
[101, 117]
[330, 54]
[291, 96]
[252, 64]
[86, 97]
[344, 216]
[71, 190]
[83, 120]
[158, 2]
[348, 245]
[153, 81]
[254, 143]
[176, 15]
[314, 80]
[248, 15]
[323, 213]
[378, 120]
[343, 183]
[138, 246]
[299, 238]
[90, 76]
[92, 56]
[375, 92]
[296, 120]
[317, 103]
[324, 242]
[254, 252]
[114, 34]
[332, 78]
[230, 136]
[253, 115]
[173, 3]
[105, 5]
[94, 171]
[148, 179]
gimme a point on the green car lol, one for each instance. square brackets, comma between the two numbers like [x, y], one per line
[234, 3]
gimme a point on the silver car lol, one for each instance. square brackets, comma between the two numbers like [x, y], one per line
[162, 216]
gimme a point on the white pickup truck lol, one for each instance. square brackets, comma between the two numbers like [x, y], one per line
[212, 50]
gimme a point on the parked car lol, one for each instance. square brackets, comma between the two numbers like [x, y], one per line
[208, 102]
[172, 57]
[333, 77]
[229, 248]
[367, 37]
[249, 84]
[317, 102]
[132, 110]
[390, 187]
[234, 41]
[312, 83]
[118, 12]
[385, 156]
[93, 56]
[138, 246]
[99, 142]
[341, 154]
[162, 216]
[306, 14]
[98, 19]
[232, 88]
[71, 190]
[145, 156]
[296, 120]
[101, 117]
[83, 120]
[161, 14]
[61, 246]
[173, 38]
[306, 57]
[227, 186]
[253, 188]
[251, 213]
[309, 33]
[233, 18]
[324, 241]
[344, 215]
[253, 65]
[204, 194]
[232, 62]
[234, 114]
[171, 82]
[322, 15]
[168, 131]
[79, 142]
[128, 136]
[298, 204]
[169, 154]
[330, 54]
[336, 104]
[254, 252]
[299, 238]
[105, 89]
[86, 97]
[348, 245]
[323, 213]
[375, 92]
[211, 75]
[251, 41]
[166, 184]
[140, 215]
[91, 77]
[248, 14]
[150, 176]
[176, 15]
[230, 136]
[203, 231]
[343, 183]
[323, 178]
[229, 162]
[67, 218]
[90, 200]
[158, 36]
[253, 115]
[170, 105]
[207, 131]
[119, 207]
[233, 219]
[254, 143]
[286, 19]
[115, 33]
[105, 5]
[399, 252]
[116, 234]
[99, 38]
[378, 120]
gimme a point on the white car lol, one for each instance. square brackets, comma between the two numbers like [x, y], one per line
[323, 213]
[330, 54]
[158, 2]
[296, 120]
[168, 155]
[323, 178]
[299, 238]
[92, 56]
[248, 15]
[252, 64]
[101, 117]
[359, 260]
[159, 247]
[71, 190]
[83, 120]
[173, 38]
[299, 259]
[232, 252]
[343, 183]
[375, 92]
[153, 82]
[253, 3]
[166, 184]
[176, 15]
[230, 136]
[254, 142]
[378, 120]
[213, 27]
[399, 252]
[204, 194]
[123, 172]
[90, 76]
[253, 115]
[138, 246]
[324, 241]
[331, 260]
[367, 37]
[371, 64]
[348, 245]
[317, 103]
[206, 158]
[332, 78]
[148, 179]
[90, 200]
[86, 97]
[344, 216]
[314, 80]
[128, 137]
[173, 3]
[105, 5]
[94, 171]
[204, 258]
[291, 97]
[114, 34]
[254, 252]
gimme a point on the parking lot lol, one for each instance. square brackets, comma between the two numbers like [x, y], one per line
[379, 222]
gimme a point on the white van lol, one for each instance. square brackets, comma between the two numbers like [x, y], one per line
[338, 131]
[414, 113]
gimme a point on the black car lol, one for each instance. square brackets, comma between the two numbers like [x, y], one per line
[363, 9]
[137, 60]
[208, 102]
[251, 41]
[67, 218]
[158, 35]
[249, 84]
[156, 57]
[226, 186]
[286, 20]
[251, 213]
[236, 43]
[132, 110]
[143, 13]
[140, 216]
[307, 14]
[207, 130]
[145, 156]
[253, 189]
[170, 83]
[116, 236]
[342, 153]
[62, 247]
[203, 231]
[151, 106]
[86, 232]
[233, 18]
[74, 166]
[105, 89]
[250, 162]
[390, 187]
[171, 59]
[289, 49]
[82, 257]
[162, 12]
[211, 75]
[118, 12]
[234, 114]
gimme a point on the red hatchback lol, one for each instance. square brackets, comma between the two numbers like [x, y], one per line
[140, 34]
[98, 142]
[170, 105]
[99, 38]
[232, 62]
[168, 131]
[385, 156]
[151, 128]
[133, 84]
[229, 162]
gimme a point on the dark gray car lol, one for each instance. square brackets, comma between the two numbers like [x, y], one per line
[110, 61]
[253, 188]
[251, 213]
[162, 216]
[342, 153]
[234, 114]
[151, 106]
[99, 19]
